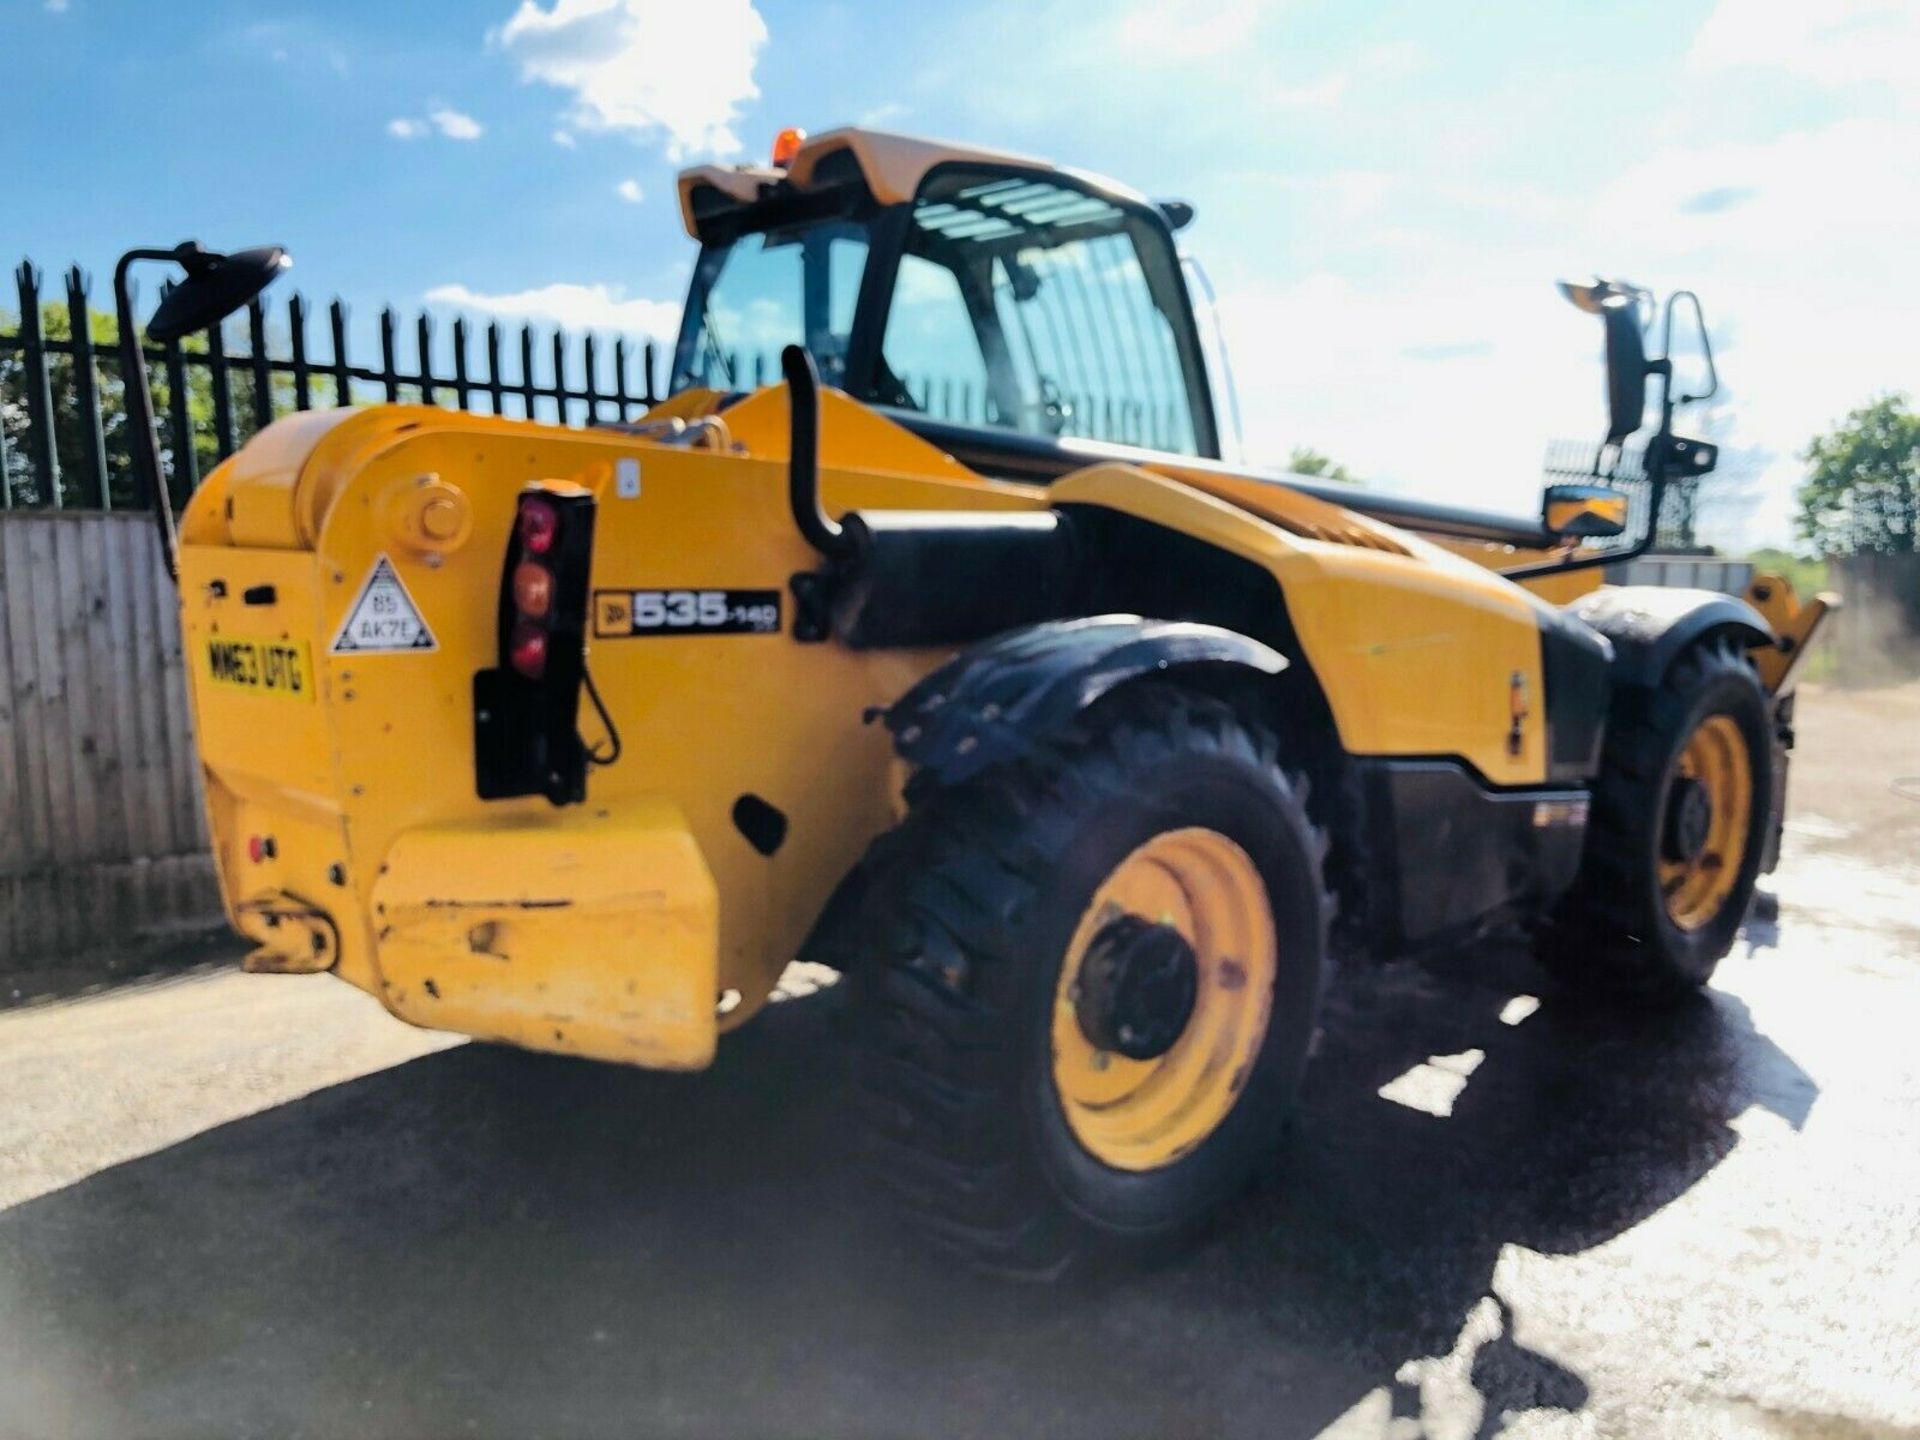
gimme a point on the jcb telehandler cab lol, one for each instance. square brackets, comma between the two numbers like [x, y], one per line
[561, 737]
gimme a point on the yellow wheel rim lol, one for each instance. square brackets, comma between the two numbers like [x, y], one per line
[1698, 886]
[1144, 1114]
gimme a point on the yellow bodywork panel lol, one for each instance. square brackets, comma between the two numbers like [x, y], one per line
[594, 929]
[383, 754]
[1419, 653]
[1793, 622]
[345, 808]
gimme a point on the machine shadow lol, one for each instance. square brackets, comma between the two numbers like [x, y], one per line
[483, 1242]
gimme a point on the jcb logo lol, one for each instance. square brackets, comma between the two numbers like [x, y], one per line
[612, 613]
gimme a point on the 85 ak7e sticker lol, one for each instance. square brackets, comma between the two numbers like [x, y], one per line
[383, 617]
[622, 613]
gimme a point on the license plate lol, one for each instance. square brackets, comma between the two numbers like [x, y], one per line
[261, 667]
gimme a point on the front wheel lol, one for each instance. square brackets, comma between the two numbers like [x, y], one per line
[1092, 986]
[1677, 836]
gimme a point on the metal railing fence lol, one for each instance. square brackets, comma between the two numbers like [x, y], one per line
[61, 440]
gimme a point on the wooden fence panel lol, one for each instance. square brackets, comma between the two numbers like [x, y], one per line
[102, 831]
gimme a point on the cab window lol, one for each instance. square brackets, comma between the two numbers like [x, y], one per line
[767, 290]
[1033, 306]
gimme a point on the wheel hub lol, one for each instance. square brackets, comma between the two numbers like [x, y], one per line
[1689, 821]
[1137, 988]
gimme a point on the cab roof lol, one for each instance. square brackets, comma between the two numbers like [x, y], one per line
[892, 166]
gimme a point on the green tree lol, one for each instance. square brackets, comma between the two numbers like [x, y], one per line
[1862, 491]
[1305, 460]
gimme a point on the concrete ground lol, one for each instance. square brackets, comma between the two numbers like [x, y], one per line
[239, 1205]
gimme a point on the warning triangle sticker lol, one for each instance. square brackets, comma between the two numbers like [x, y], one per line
[384, 618]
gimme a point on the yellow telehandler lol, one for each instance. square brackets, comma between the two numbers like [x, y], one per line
[924, 633]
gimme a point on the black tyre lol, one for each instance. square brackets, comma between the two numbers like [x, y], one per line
[1677, 834]
[1091, 986]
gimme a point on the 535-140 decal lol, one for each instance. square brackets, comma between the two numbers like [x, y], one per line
[620, 613]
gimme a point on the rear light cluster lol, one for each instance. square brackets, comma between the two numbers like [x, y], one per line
[526, 739]
[538, 531]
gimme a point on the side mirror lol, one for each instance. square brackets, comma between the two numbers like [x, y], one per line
[1618, 307]
[215, 287]
[1584, 512]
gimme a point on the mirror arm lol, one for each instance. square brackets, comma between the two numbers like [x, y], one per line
[143, 437]
[1706, 343]
[1659, 452]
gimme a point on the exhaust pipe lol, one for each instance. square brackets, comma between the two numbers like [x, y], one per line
[816, 527]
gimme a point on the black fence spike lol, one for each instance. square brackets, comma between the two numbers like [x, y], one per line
[41, 455]
[526, 369]
[559, 375]
[496, 388]
[261, 366]
[462, 391]
[86, 390]
[586, 387]
[388, 375]
[297, 340]
[342, 370]
[184, 473]
[221, 383]
[620, 376]
[423, 347]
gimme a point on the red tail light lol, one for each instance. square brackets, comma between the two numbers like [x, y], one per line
[539, 524]
[532, 589]
[526, 735]
[527, 649]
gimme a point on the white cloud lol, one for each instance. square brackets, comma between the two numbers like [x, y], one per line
[1413, 383]
[1175, 30]
[1368, 70]
[881, 116]
[630, 191]
[1327, 90]
[644, 67]
[452, 123]
[1833, 42]
[456, 124]
[578, 307]
[564, 139]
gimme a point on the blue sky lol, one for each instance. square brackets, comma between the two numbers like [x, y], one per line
[1385, 191]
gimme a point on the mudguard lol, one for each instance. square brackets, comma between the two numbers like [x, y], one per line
[992, 703]
[1650, 625]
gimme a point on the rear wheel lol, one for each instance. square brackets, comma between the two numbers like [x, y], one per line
[1677, 834]
[1092, 990]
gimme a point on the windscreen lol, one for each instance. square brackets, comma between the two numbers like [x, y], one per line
[766, 290]
[1039, 307]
